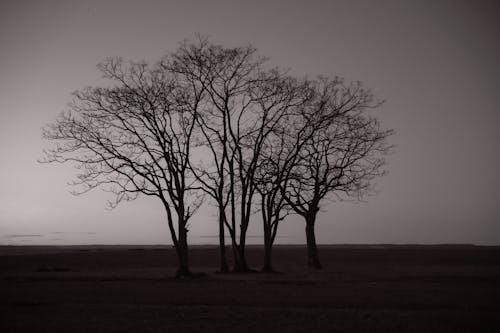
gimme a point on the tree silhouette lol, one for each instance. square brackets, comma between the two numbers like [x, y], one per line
[339, 157]
[224, 76]
[219, 121]
[244, 102]
[133, 138]
[282, 152]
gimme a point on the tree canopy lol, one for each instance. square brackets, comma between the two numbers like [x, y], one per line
[213, 121]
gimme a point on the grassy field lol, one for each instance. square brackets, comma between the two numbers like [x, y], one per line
[361, 289]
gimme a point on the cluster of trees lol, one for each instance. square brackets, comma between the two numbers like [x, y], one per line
[218, 123]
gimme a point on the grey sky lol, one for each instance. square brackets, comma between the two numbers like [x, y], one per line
[435, 62]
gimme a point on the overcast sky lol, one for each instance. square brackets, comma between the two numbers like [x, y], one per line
[436, 63]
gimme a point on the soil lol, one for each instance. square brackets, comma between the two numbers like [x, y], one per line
[360, 289]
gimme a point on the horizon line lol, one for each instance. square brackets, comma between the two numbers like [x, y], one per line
[254, 245]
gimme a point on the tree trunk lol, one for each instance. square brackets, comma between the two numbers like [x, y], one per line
[180, 242]
[268, 245]
[240, 262]
[222, 245]
[182, 253]
[236, 256]
[312, 249]
[268, 265]
[243, 259]
[240, 257]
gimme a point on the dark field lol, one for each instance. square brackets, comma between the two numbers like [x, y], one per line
[361, 289]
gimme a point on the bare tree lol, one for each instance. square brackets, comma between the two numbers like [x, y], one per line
[343, 153]
[133, 138]
[279, 152]
[244, 102]
[215, 120]
[223, 74]
[270, 175]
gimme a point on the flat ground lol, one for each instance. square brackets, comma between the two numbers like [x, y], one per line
[361, 289]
